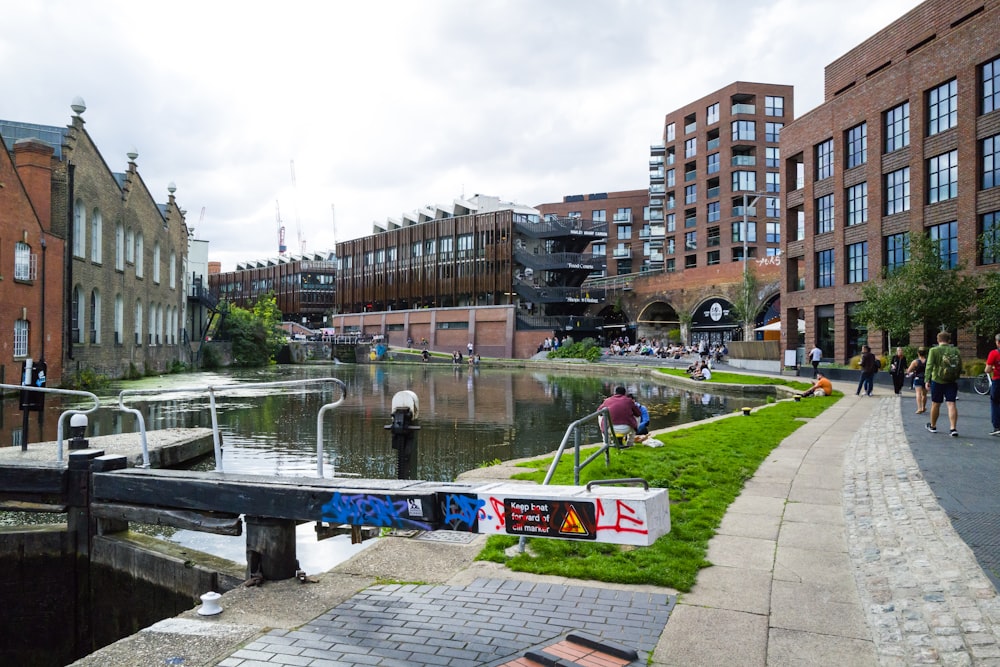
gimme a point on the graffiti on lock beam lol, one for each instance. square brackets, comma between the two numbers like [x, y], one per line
[461, 511]
[569, 519]
[366, 509]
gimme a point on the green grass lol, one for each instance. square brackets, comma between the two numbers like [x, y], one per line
[704, 467]
[723, 377]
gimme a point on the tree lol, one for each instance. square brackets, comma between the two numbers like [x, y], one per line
[254, 333]
[987, 320]
[919, 291]
[747, 299]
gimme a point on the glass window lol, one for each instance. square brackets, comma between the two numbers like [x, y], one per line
[897, 251]
[942, 175]
[857, 204]
[744, 180]
[774, 105]
[690, 194]
[172, 270]
[991, 86]
[744, 130]
[824, 160]
[714, 211]
[671, 178]
[772, 232]
[738, 232]
[712, 114]
[21, 338]
[772, 156]
[95, 317]
[671, 221]
[119, 319]
[857, 262]
[857, 145]
[772, 207]
[800, 225]
[942, 107]
[156, 262]
[79, 229]
[989, 229]
[22, 261]
[897, 191]
[138, 255]
[772, 181]
[671, 132]
[945, 237]
[96, 225]
[897, 127]
[772, 132]
[599, 216]
[624, 231]
[119, 247]
[691, 241]
[671, 245]
[691, 147]
[713, 163]
[824, 268]
[712, 257]
[990, 149]
[600, 249]
[824, 214]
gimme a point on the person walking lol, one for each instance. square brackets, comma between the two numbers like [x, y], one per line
[869, 366]
[993, 368]
[815, 355]
[944, 367]
[916, 373]
[897, 370]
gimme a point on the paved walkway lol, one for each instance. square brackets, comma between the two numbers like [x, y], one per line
[840, 551]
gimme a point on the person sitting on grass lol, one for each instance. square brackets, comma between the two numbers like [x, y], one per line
[822, 387]
[704, 374]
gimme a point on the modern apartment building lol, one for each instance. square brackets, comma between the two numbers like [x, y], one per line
[715, 181]
[907, 141]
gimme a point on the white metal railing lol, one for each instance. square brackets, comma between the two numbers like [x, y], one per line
[62, 417]
[211, 391]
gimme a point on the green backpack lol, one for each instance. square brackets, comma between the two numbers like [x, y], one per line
[950, 368]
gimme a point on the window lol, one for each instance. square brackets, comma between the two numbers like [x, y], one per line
[942, 109]
[738, 232]
[824, 214]
[772, 231]
[96, 229]
[119, 247]
[119, 319]
[76, 314]
[690, 261]
[623, 215]
[22, 261]
[857, 262]
[130, 247]
[744, 180]
[897, 251]
[690, 194]
[138, 255]
[945, 237]
[772, 181]
[772, 156]
[172, 270]
[991, 86]
[744, 130]
[989, 229]
[824, 268]
[95, 317]
[600, 249]
[712, 257]
[714, 237]
[772, 207]
[897, 191]
[21, 338]
[772, 132]
[670, 265]
[671, 220]
[624, 231]
[942, 176]
[671, 132]
[691, 241]
[857, 204]
[897, 127]
[824, 160]
[599, 216]
[800, 225]
[712, 114]
[671, 245]
[691, 147]
[713, 163]
[990, 149]
[714, 211]
[79, 229]
[156, 262]
[857, 145]
[774, 105]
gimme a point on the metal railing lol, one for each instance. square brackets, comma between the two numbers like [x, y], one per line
[211, 391]
[63, 415]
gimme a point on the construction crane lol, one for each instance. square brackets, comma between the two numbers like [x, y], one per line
[298, 223]
[201, 219]
[282, 248]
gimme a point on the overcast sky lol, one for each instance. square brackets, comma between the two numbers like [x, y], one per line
[385, 106]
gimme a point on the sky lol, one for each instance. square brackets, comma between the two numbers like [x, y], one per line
[325, 116]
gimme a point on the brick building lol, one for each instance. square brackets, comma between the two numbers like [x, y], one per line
[906, 142]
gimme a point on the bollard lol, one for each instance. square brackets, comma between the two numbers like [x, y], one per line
[405, 410]
[77, 429]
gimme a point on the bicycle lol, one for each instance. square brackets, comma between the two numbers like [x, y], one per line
[981, 383]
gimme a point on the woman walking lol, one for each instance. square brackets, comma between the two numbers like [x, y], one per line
[916, 371]
[898, 370]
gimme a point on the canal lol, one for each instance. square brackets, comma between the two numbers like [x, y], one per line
[469, 417]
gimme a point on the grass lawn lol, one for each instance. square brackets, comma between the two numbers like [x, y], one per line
[704, 467]
[723, 377]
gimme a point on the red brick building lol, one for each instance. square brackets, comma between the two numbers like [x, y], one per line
[907, 141]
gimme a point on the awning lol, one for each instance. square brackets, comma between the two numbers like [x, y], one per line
[776, 326]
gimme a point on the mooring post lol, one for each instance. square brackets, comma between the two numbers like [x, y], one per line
[107, 464]
[78, 518]
[271, 548]
[405, 411]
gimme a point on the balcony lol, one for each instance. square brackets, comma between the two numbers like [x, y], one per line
[712, 143]
[744, 108]
[622, 217]
[656, 257]
[656, 161]
[713, 192]
[656, 176]
[744, 161]
[690, 175]
[657, 231]
[751, 211]
[657, 149]
[657, 189]
[655, 215]
[621, 253]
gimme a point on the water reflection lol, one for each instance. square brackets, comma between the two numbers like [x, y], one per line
[468, 416]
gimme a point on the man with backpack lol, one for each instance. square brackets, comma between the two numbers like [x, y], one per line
[944, 367]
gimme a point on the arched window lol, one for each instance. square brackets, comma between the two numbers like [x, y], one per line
[22, 262]
[119, 247]
[138, 255]
[130, 246]
[172, 270]
[79, 229]
[156, 262]
[96, 229]
[119, 319]
[152, 324]
[95, 317]
[77, 315]
[138, 322]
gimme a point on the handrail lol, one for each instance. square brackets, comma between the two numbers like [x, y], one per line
[212, 390]
[72, 411]
[602, 413]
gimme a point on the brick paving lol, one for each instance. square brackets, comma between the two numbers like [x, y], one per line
[487, 623]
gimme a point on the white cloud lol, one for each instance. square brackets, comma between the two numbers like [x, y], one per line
[386, 106]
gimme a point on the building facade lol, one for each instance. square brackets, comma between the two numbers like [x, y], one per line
[906, 142]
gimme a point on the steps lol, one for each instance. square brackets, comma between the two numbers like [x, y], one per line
[576, 649]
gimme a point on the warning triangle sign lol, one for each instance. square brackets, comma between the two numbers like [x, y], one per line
[572, 525]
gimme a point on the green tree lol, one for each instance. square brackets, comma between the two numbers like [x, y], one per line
[747, 300]
[254, 333]
[920, 291]
[987, 320]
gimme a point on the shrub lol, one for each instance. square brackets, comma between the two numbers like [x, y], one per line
[209, 357]
[85, 379]
[586, 349]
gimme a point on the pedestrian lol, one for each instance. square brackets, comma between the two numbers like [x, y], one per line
[916, 374]
[897, 370]
[815, 355]
[869, 366]
[469, 348]
[993, 368]
[822, 387]
[944, 367]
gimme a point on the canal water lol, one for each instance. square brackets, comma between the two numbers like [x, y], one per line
[469, 417]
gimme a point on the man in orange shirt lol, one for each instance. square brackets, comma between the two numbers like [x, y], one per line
[823, 387]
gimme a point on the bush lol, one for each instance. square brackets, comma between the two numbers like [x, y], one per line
[85, 379]
[209, 357]
[973, 368]
[586, 349]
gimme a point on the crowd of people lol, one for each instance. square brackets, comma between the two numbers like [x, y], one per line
[652, 347]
